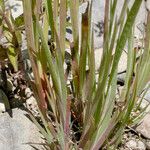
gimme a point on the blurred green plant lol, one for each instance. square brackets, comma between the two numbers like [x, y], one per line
[79, 111]
[10, 47]
[10, 36]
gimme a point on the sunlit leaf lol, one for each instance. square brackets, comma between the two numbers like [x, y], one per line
[13, 56]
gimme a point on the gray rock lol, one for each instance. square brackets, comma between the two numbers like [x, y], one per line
[141, 145]
[31, 104]
[17, 8]
[98, 15]
[147, 96]
[2, 106]
[134, 144]
[98, 57]
[131, 144]
[122, 65]
[17, 131]
[147, 144]
[4, 102]
[145, 104]
[144, 127]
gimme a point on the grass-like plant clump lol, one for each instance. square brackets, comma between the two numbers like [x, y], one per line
[77, 109]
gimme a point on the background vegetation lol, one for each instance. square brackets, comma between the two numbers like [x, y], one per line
[77, 109]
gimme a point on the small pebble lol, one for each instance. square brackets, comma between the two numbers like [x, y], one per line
[28, 92]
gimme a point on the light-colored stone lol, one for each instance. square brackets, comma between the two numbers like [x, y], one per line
[17, 131]
[122, 63]
[4, 102]
[147, 96]
[2, 106]
[17, 8]
[147, 143]
[144, 127]
[31, 103]
[122, 66]
[145, 104]
[98, 57]
[28, 92]
[131, 144]
[98, 16]
[146, 99]
[141, 145]
[148, 4]
[134, 144]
